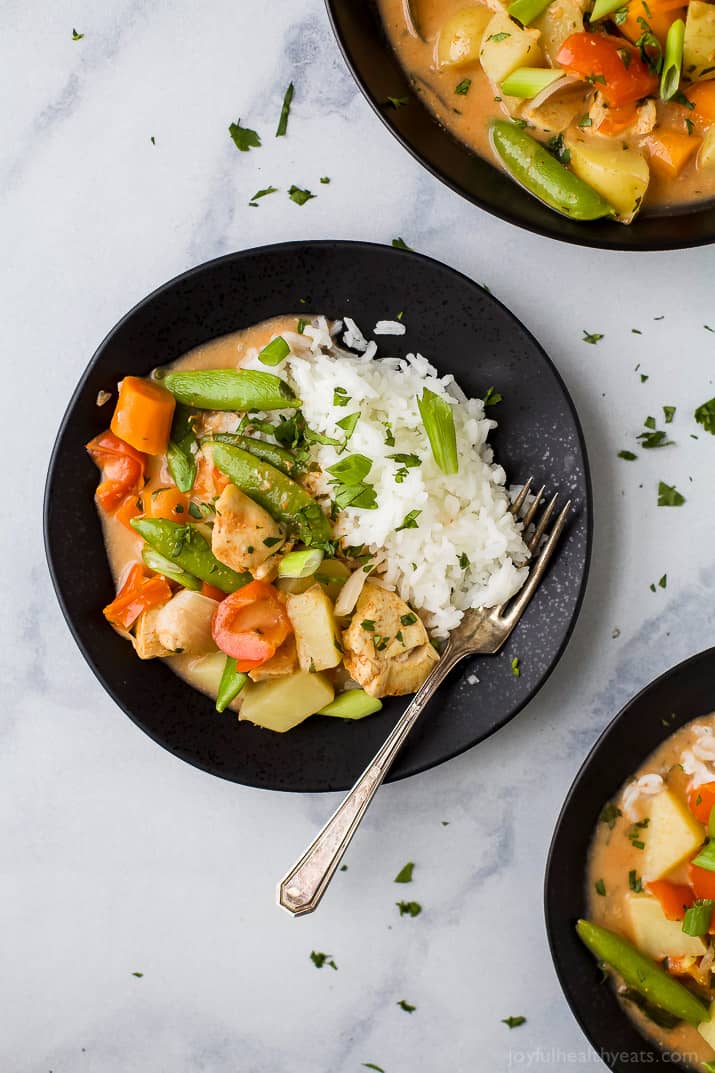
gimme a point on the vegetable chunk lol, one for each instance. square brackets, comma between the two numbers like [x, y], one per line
[283, 703]
[387, 650]
[241, 530]
[316, 632]
[699, 43]
[184, 624]
[673, 836]
[506, 46]
[657, 936]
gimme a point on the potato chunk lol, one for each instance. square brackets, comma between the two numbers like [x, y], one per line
[619, 175]
[699, 43]
[285, 661]
[461, 36]
[241, 530]
[316, 633]
[280, 704]
[184, 624]
[673, 835]
[506, 46]
[387, 650]
[657, 936]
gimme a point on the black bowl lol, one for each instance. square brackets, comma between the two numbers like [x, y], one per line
[460, 327]
[377, 71]
[681, 694]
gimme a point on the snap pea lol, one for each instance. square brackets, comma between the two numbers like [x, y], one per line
[168, 568]
[642, 974]
[181, 452]
[269, 452]
[230, 389]
[231, 684]
[284, 500]
[534, 168]
[185, 547]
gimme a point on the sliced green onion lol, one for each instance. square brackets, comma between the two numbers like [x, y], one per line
[231, 684]
[525, 11]
[605, 7]
[697, 919]
[530, 81]
[706, 858]
[438, 420]
[673, 60]
[353, 704]
[162, 565]
[275, 352]
[300, 563]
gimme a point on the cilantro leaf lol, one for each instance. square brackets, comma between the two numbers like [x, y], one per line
[627, 455]
[514, 1022]
[491, 398]
[319, 959]
[462, 88]
[669, 496]
[263, 193]
[406, 1006]
[411, 909]
[76, 36]
[243, 137]
[705, 416]
[409, 521]
[400, 244]
[405, 874]
[591, 337]
[300, 196]
[397, 102]
[669, 414]
[609, 814]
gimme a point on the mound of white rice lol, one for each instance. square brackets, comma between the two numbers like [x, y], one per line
[461, 518]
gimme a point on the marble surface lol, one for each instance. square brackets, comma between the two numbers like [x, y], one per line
[115, 857]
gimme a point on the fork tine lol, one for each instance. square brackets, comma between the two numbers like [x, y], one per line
[531, 512]
[541, 527]
[539, 568]
[519, 501]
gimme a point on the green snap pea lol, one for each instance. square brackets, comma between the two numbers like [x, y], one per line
[534, 168]
[244, 390]
[161, 565]
[642, 974]
[269, 452]
[284, 500]
[187, 549]
[231, 684]
[181, 452]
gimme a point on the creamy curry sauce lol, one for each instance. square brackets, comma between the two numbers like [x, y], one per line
[613, 857]
[467, 117]
[124, 547]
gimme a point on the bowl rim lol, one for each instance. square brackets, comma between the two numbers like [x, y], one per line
[290, 246]
[589, 240]
[565, 980]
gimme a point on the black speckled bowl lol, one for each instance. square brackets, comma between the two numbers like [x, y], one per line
[681, 694]
[377, 71]
[463, 330]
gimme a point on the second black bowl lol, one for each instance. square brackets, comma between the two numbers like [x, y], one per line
[377, 71]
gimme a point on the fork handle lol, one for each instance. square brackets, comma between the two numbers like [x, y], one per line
[301, 889]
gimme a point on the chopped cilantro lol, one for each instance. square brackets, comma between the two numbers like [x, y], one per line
[585, 121]
[263, 193]
[271, 541]
[400, 244]
[397, 102]
[669, 496]
[705, 414]
[663, 581]
[325, 180]
[409, 521]
[243, 137]
[348, 424]
[591, 337]
[301, 326]
[285, 112]
[408, 620]
[634, 881]
[556, 146]
[407, 460]
[644, 377]
[371, 1065]
[499, 37]
[406, 1006]
[650, 440]
[411, 909]
[462, 88]
[137, 974]
[600, 887]
[76, 36]
[464, 561]
[515, 669]
[609, 814]
[627, 455]
[368, 624]
[492, 397]
[405, 873]
[299, 196]
[514, 1022]
[320, 959]
[194, 511]
[340, 397]
[669, 414]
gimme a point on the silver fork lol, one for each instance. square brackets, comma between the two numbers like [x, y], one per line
[480, 632]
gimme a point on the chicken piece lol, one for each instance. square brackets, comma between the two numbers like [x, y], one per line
[184, 624]
[386, 647]
[146, 639]
[241, 530]
[285, 661]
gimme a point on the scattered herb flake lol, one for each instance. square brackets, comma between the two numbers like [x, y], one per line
[319, 959]
[406, 1006]
[651, 440]
[195, 511]
[499, 37]
[301, 326]
[285, 112]
[371, 1065]
[514, 1022]
[669, 414]
[76, 36]
[137, 974]
[411, 909]
[368, 624]
[628, 456]
[636, 331]
[609, 814]
[400, 244]
[405, 873]
[263, 193]
[243, 137]
[492, 398]
[409, 521]
[397, 102]
[152, 140]
[462, 88]
[464, 561]
[634, 882]
[644, 377]
[408, 620]
[591, 337]
[299, 195]
[325, 179]
[515, 669]
[600, 887]
[705, 414]
[340, 397]
[669, 496]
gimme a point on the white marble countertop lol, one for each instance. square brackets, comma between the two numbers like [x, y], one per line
[118, 859]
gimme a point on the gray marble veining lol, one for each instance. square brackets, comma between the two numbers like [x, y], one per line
[116, 858]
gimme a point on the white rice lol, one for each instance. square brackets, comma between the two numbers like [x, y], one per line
[389, 327]
[462, 515]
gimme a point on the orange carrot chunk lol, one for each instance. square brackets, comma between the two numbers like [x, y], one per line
[670, 151]
[167, 503]
[702, 97]
[143, 415]
[701, 800]
[657, 14]
[674, 898]
[138, 593]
